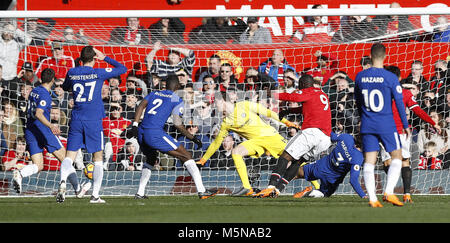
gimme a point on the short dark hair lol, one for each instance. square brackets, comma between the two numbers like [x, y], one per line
[47, 75]
[377, 51]
[87, 54]
[365, 60]
[172, 82]
[306, 81]
[394, 69]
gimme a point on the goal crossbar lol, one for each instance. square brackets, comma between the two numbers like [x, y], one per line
[223, 13]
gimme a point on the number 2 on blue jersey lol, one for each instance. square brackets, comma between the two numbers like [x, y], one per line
[157, 103]
[80, 88]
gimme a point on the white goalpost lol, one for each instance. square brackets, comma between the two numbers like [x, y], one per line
[342, 44]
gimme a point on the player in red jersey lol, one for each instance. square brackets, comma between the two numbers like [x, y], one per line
[410, 103]
[308, 144]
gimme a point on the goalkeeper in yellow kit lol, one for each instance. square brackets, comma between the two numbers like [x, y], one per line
[243, 118]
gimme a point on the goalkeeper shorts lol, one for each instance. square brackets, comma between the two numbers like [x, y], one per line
[273, 145]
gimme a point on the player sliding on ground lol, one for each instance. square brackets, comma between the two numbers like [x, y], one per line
[159, 106]
[332, 169]
[243, 118]
[40, 133]
[310, 142]
[375, 88]
[85, 128]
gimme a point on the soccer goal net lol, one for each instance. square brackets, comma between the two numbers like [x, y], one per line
[243, 58]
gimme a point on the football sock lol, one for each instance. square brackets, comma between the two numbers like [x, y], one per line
[369, 181]
[290, 174]
[73, 179]
[66, 168]
[241, 170]
[393, 175]
[97, 177]
[315, 184]
[278, 171]
[193, 170]
[145, 176]
[29, 170]
[406, 178]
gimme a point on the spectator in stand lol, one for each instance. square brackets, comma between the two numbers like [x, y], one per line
[71, 38]
[440, 82]
[116, 96]
[130, 156]
[40, 31]
[275, 66]
[114, 82]
[430, 159]
[226, 78]
[3, 144]
[429, 101]
[366, 62]
[222, 158]
[429, 133]
[218, 30]
[58, 62]
[394, 26]
[255, 80]
[444, 109]
[168, 31]
[61, 98]
[13, 126]
[290, 78]
[184, 78]
[209, 88]
[12, 42]
[18, 157]
[105, 96]
[173, 63]
[129, 108]
[22, 101]
[316, 29]
[59, 117]
[354, 28]
[442, 33]
[416, 77]
[255, 34]
[132, 34]
[327, 66]
[136, 86]
[113, 126]
[206, 118]
[213, 68]
[27, 75]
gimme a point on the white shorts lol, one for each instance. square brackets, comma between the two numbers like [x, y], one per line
[406, 145]
[308, 143]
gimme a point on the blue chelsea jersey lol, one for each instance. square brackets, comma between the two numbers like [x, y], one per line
[39, 98]
[161, 105]
[375, 88]
[86, 85]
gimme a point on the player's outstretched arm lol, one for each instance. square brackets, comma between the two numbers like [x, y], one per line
[132, 129]
[215, 145]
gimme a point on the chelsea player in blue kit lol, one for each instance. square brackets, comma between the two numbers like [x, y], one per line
[85, 128]
[40, 133]
[332, 169]
[158, 107]
[375, 88]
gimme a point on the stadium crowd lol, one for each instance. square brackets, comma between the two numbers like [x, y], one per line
[200, 88]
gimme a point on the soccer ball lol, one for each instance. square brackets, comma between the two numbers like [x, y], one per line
[89, 171]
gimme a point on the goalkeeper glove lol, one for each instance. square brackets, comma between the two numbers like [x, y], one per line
[202, 162]
[198, 142]
[132, 130]
[289, 123]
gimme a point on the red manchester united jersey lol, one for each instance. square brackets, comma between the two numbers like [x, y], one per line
[315, 106]
[411, 103]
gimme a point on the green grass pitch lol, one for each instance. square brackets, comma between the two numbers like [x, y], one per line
[222, 209]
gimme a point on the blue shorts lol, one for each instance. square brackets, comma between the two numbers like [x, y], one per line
[390, 141]
[157, 140]
[313, 172]
[40, 138]
[85, 134]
